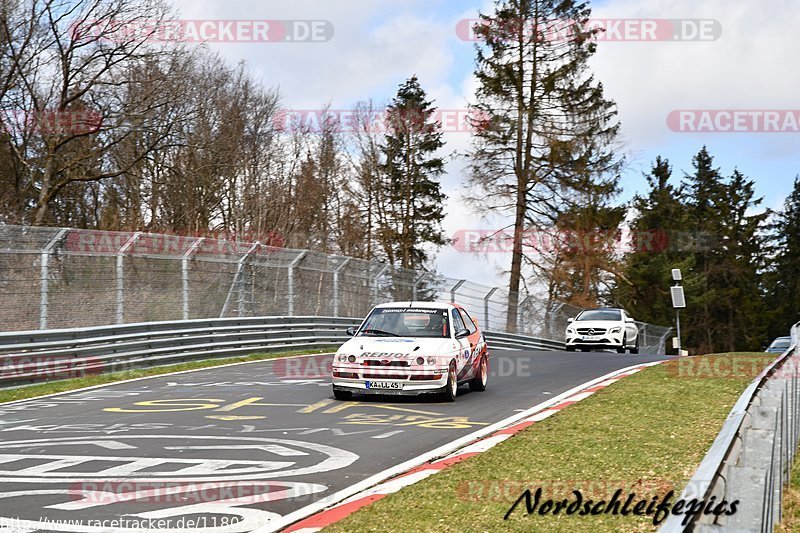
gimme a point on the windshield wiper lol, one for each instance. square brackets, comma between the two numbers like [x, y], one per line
[380, 332]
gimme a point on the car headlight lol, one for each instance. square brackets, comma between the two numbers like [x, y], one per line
[615, 330]
[342, 358]
[431, 361]
[570, 331]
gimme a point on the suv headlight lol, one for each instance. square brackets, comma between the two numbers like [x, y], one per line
[616, 329]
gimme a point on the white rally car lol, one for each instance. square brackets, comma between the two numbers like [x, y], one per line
[412, 348]
[602, 328]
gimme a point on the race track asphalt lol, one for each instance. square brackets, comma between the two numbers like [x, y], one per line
[233, 448]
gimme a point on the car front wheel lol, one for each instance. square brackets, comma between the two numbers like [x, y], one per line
[451, 389]
[621, 349]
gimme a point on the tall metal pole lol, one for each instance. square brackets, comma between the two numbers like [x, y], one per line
[678, 321]
[121, 276]
[336, 286]
[375, 284]
[455, 288]
[486, 307]
[185, 275]
[44, 278]
[290, 280]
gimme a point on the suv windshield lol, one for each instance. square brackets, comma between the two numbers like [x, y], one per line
[406, 322]
[601, 314]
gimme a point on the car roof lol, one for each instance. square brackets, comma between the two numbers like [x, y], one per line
[781, 339]
[429, 305]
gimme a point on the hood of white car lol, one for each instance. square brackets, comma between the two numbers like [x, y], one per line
[397, 345]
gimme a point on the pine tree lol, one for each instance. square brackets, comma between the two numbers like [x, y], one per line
[543, 123]
[412, 168]
[783, 287]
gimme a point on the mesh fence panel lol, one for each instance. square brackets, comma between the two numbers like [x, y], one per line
[61, 278]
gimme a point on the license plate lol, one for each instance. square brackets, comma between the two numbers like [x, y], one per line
[384, 385]
[590, 338]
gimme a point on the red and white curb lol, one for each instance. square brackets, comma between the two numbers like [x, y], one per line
[507, 429]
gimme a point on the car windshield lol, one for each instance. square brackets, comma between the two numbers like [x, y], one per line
[406, 322]
[601, 314]
[780, 343]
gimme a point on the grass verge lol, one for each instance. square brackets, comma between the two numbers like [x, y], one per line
[52, 387]
[645, 434]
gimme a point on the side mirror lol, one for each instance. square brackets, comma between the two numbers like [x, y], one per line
[351, 331]
[570, 320]
[460, 334]
[629, 320]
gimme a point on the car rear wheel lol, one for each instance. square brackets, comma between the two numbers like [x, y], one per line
[635, 349]
[342, 394]
[451, 389]
[479, 382]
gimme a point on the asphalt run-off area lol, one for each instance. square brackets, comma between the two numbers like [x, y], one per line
[235, 448]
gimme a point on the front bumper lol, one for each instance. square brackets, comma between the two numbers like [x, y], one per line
[608, 340]
[354, 378]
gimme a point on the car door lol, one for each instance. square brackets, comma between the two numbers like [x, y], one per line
[464, 349]
[476, 344]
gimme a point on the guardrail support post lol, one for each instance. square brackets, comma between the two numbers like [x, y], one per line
[185, 274]
[290, 280]
[121, 278]
[486, 307]
[455, 288]
[336, 286]
[44, 278]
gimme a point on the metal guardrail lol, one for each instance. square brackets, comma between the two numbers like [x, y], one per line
[751, 458]
[28, 357]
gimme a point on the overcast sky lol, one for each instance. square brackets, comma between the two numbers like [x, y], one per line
[377, 44]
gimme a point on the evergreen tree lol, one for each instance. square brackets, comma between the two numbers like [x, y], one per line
[783, 286]
[543, 123]
[727, 311]
[658, 245]
[412, 167]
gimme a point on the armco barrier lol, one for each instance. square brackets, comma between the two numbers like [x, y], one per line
[751, 458]
[43, 355]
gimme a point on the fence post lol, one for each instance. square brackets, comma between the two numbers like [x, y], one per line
[44, 278]
[121, 278]
[455, 288]
[336, 286]
[290, 279]
[520, 305]
[185, 274]
[375, 283]
[486, 307]
[416, 284]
